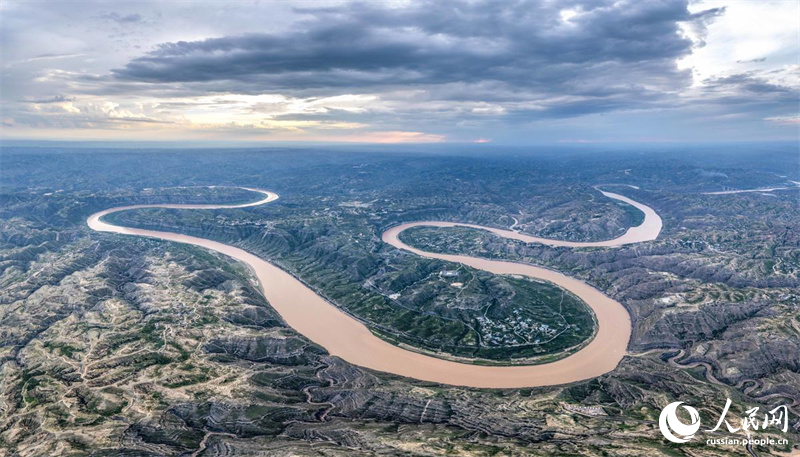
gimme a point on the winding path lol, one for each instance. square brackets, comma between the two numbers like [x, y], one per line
[346, 337]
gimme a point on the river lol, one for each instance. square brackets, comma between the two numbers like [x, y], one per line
[344, 336]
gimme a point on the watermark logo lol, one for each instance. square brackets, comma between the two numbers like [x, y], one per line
[673, 428]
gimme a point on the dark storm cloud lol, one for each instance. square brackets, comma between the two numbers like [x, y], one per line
[520, 49]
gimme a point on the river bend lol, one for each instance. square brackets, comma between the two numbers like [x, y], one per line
[344, 336]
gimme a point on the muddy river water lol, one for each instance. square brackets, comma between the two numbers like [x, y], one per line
[344, 336]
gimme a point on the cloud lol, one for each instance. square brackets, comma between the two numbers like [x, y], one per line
[749, 92]
[744, 83]
[758, 60]
[785, 120]
[610, 56]
[53, 99]
[121, 19]
[697, 28]
[61, 112]
[423, 70]
[44, 57]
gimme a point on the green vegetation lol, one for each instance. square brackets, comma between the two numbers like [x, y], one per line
[120, 345]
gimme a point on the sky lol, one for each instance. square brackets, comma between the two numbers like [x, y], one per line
[504, 72]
